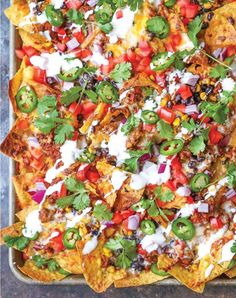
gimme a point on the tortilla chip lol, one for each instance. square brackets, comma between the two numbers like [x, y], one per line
[231, 273]
[20, 182]
[140, 80]
[90, 38]
[36, 40]
[43, 275]
[21, 215]
[13, 230]
[69, 261]
[17, 11]
[220, 32]
[97, 277]
[135, 280]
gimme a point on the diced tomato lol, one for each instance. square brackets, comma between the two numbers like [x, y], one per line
[170, 215]
[180, 108]
[74, 4]
[216, 223]
[170, 184]
[23, 124]
[160, 204]
[81, 173]
[173, 41]
[191, 11]
[166, 114]
[75, 108]
[151, 187]
[87, 109]
[63, 191]
[176, 164]
[39, 75]
[145, 48]
[185, 91]
[179, 177]
[119, 14]
[92, 175]
[127, 213]
[117, 218]
[214, 135]
[30, 51]
[132, 56]
[83, 53]
[160, 79]
[183, 3]
[122, 58]
[141, 251]
[190, 200]
[36, 163]
[231, 50]
[79, 36]
[106, 69]
[204, 119]
[75, 136]
[61, 46]
[35, 152]
[60, 31]
[144, 66]
[56, 243]
[20, 54]
[149, 127]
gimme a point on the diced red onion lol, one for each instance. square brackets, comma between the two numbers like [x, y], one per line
[191, 109]
[223, 54]
[37, 247]
[224, 142]
[217, 52]
[203, 208]
[145, 156]
[123, 120]
[67, 86]
[183, 191]
[72, 44]
[233, 67]
[38, 196]
[191, 80]
[33, 142]
[162, 168]
[40, 186]
[230, 193]
[133, 222]
[92, 2]
[109, 224]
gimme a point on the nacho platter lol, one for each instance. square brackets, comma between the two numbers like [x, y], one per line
[134, 279]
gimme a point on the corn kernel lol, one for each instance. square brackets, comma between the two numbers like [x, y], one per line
[184, 117]
[107, 252]
[207, 5]
[207, 81]
[176, 122]
[111, 269]
[203, 96]
[198, 88]
[164, 102]
[129, 233]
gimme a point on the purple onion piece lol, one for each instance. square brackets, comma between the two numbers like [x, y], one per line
[162, 168]
[145, 156]
[72, 44]
[38, 196]
[133, 222]
[224, 142]
[230, 193]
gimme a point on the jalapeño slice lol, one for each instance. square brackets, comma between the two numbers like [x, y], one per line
[183, 228]
[26, 99]
[163, 60]
[54, 16]
[148, 227]
[169, 3]
[70, 237]
[86, 156]
[157, 271]
[149, 117]
[70, 75]
[107, 92]
[171, 147]
[199, 182]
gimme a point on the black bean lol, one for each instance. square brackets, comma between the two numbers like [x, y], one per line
[210, 16]
[51, 80]
[231, 20]
[200, 158]
[205, 25]
[209, 89]
[192, 164]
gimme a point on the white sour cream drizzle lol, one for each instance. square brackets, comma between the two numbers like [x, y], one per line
[117, 179]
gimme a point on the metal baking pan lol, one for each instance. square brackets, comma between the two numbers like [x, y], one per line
[15, 259]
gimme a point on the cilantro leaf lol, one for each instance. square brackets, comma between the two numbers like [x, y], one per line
[142, 204]
[130, 124]
[45, 125]
[74, 185]
[113, 244]
[132, 162]
[39, 261]
[123, 261]
[190, 126]
[194, 27]
[231, 175]
[121, 72]
[165, 129]
[47, 104]
[101, 212]
[153, 210]
[53, 265]
[219, 71]
[197, 145]
[217, 111]
[92, 95]
[20, 242]
[62, 132]
[75, 16]
[134, 4]
[233, 248]
[164, 195]
[65, 201]
[70, 95]
[81, 201]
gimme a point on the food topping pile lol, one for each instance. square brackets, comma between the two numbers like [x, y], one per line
[124, 141]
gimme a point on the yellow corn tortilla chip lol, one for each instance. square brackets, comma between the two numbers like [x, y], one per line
[13, 230]
[43, 275]
[22, 214]
[135, 280]
[97, 277]
[69, 261]
[17, 11]
[140, 80]
[220, 32]
[36, 40]
[20, 183]
[231, 273]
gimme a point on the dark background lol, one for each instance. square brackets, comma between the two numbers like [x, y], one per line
[10, 286]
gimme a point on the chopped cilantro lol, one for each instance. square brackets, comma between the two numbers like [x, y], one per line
[164, 195]
[121, 72]
[219, 71]
[231, 175]
[165, 129]
[101, 212]
[75, 16]
[197, 145]
[190, 126]
[20, 242]
[63, 132]
[130, 124]
[71, 95]
[132, 162]
[194, 27]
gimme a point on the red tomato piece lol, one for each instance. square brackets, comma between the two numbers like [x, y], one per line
[132, 56]
[30, 51]
[79, 36]
[141, 251]
[75, 136]
[20, 54]
[117, 218]
[170, 184]
[87, 109]
[35, 152]
[231, 50]
[74, 4]
[63, 191]
[92, 175]
[145, 49]
[185, 91]
[191, 11]
[176, 164]
[127, 213]
[61, 46]
[23, 124]
[214, 135]
[81, 173]
[160, 204]
[119, 14]
[149, 127]
[75, 108]
[166, 114]
[57, 244]
[39, 75]
[180, 108]
[190, 200]
[216, 223]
